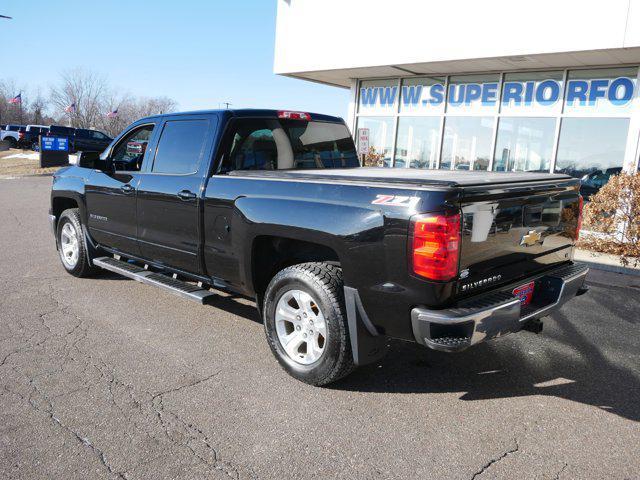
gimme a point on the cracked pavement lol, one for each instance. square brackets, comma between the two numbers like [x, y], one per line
[109, 378]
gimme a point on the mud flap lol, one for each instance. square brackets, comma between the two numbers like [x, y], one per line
[367, 344]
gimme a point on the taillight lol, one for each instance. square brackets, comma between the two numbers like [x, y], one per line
[579, 224]
[436, 246]
[294, 115]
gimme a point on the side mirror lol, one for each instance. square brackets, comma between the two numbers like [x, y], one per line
[89, 160]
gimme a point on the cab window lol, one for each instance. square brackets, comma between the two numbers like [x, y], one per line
[129, 152]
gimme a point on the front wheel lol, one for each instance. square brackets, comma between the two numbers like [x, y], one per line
[306, 325]
[72, 246]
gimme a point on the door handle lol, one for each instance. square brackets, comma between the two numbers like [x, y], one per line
[126, 188]
[186, 195]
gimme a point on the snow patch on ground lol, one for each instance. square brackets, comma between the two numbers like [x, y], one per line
[73, 159]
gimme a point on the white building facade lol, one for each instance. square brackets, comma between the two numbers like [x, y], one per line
[467, 85]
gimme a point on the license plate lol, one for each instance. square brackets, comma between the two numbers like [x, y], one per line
[524, 293]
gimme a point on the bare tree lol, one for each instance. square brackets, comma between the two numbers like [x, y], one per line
[10, 113]
[85, 89]
[131, 109]
[37, 108]
[93, 99]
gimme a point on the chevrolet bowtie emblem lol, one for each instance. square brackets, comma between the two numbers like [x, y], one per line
[531, 238]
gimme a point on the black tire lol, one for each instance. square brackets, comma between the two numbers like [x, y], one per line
[323, 282]
[83, 267]
[11, 142]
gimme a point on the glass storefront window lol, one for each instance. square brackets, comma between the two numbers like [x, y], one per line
[378, 96]
[600, 91]
[473, 93]
[589, 145]
[418, 142]
[380, 135]
[467, 143]
[424, 95]
[532, 93]
[524, 144]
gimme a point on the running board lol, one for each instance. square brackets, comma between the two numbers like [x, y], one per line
[177, 287]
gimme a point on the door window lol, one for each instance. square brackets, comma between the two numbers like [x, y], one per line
[129, 152]
[181, 146]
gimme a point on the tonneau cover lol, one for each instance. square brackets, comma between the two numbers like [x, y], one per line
[450, 178]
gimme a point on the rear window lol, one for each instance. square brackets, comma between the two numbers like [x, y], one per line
[276, 144]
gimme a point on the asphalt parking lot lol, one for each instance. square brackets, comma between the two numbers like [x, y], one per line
[109, 378]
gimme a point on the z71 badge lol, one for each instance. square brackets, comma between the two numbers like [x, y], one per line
[396, 200]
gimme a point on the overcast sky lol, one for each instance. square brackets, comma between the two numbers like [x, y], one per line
[200, 53]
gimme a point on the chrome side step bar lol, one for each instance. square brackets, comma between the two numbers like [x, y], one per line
[173, 285]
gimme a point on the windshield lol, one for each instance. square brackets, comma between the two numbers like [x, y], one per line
[273, 144]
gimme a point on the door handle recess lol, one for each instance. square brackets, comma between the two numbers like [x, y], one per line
[126, 188]
[186, 195]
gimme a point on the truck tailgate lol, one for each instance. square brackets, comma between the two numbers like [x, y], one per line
[510, 232]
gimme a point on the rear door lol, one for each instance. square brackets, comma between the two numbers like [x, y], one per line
[170, 192]
[111, 195]
[513, 231]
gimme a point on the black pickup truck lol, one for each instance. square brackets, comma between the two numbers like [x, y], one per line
[274, 205]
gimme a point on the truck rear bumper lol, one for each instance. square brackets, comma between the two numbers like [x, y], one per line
[497, 313]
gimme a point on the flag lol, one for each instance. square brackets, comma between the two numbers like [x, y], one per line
[71, 108]
[16, 100]
[113, 114]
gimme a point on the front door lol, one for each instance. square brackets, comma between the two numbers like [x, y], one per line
[170, 193]
[111, 194]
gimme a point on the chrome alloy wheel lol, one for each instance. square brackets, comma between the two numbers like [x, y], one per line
[69, 244]
[301, 327]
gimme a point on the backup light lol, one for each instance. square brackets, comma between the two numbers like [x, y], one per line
[294, 115]
[436, 246]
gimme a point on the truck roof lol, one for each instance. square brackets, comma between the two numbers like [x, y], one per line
[251, 112]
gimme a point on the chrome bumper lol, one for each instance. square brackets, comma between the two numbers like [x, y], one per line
[496, 313]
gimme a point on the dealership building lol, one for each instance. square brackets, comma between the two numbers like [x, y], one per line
[466, 85]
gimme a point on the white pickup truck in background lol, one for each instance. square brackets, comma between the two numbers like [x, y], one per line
[9, 134]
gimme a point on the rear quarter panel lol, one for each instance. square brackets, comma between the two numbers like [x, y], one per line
[369, 239]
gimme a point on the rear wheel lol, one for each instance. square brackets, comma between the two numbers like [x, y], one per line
[75, 257]
[306, 325]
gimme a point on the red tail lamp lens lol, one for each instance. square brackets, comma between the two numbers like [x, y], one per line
[436, 246]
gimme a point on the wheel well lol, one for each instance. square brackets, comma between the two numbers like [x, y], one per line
[60, 204]
[271, 254]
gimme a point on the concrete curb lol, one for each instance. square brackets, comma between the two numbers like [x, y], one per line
[604, 261]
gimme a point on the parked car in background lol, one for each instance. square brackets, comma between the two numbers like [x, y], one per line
[10, 134]
[594, 181]
[90, 140]
[28, 136]
[82, 139]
